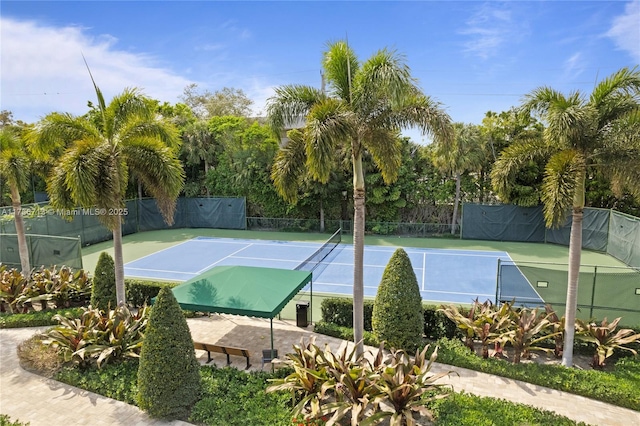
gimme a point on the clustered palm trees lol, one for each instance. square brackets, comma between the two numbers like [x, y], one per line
[366, 105]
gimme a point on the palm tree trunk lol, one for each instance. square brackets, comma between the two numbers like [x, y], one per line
[358, 253]
[321, 216]
[118, 261]
[575, 248]
[23, 249]
[455, 204]
[139, 189]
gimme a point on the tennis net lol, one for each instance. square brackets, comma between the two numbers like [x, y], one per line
[313, 261]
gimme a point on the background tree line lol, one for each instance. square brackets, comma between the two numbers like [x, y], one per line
[226, 152]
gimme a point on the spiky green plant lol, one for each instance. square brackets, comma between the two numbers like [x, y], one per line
[402, 383]
[606, 339]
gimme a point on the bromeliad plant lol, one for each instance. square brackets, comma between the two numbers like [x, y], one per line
[603, 337]
[483, 322]
[402, 383]
[12, 288]
[99, 336]
[364, 389]
[526, 332]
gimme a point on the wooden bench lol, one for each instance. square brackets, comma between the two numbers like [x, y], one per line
[227, 350]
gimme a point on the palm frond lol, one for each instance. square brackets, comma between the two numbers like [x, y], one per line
[329, 124]
[564, 172]
[512, 159]
[159, 170]
[625, 81]
[386, 149]
[128, 106]
[14, 163]
[428, 115]
[289, 166]
[81, 167]
[340, 64]
[57, 131]
[163, 131]
[290, 104]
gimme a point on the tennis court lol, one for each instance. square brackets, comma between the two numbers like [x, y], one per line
[444, 275]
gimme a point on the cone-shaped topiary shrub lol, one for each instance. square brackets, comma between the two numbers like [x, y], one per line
[169, 374]
[103, 291]
[397, 311]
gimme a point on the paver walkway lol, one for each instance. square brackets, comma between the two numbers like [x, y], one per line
[40, 401]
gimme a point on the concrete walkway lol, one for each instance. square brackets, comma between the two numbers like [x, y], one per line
[31, 398]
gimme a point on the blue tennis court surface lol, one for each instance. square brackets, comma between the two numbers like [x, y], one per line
[446, 276]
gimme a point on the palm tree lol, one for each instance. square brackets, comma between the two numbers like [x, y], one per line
[365, 107]
[199, 145]
[581, 133]
[464, 155]
[14, 167]
[100, 150]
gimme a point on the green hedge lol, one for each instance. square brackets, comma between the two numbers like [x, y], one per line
[339, 311]
[618, 387]
[344, 333]
[139, 292]
[461, 409]
[36, 318]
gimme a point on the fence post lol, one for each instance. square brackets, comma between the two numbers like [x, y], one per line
[498, 282]
[593, 291]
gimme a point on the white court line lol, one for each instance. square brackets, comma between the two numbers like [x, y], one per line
[160, 251]
[268, 259]
[160, 270]
[226, 257]
[525, 277]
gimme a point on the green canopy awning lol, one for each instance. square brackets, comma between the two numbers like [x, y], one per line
[241, 290]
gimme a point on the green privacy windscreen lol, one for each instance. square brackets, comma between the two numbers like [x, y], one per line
[44, 250]
[138, 215]
[608, 231]
[502, 223]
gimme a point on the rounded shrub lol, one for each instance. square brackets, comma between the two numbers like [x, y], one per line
[169, 381]
[397, 311]
[103, 292]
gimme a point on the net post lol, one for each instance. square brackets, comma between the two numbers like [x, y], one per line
[498, 281]
[593, 291]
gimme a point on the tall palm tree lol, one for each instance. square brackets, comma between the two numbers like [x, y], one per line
[580, 133]
[14, 168]
[464, 155]
[366, 105]
[100, 150]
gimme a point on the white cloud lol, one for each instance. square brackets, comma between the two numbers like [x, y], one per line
[42, 70]
[574, 65]
[489, 28]
[625, 30]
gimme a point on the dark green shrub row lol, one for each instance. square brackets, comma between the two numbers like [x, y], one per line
[344, 333]
[139, 292]
[232, 397]
[618, 387]
[117, 381]
[461, 409]
[339, 311]
[235, 398]
[37, 318]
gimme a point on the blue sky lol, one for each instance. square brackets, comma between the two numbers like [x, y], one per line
[472, 56]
